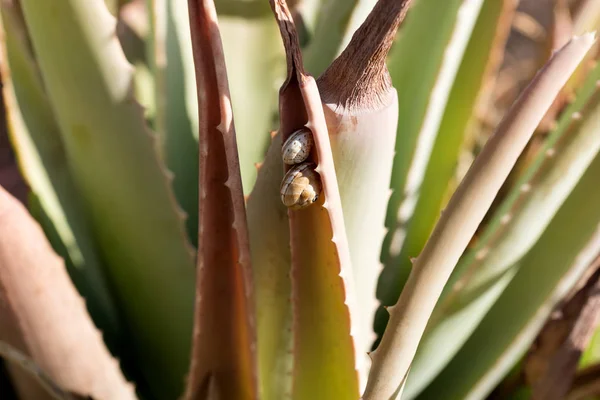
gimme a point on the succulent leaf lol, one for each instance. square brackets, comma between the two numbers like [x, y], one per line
[256, 65]
[481, 57]
[487, 269]
[271, 260]
[224, 344]
[20, 363]
[176, 115]
[326, 338]
[36, 140]
[138, 225]
[44, 317]
[361, 110]
[423, 93]
[335, 23]
[458, 223]
[555, 263]
[551, 362]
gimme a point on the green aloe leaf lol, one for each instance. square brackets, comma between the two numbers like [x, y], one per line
[459, 221]
[489, 35]
[423, 92]
[269, 246]
[591, 355]
[334, 23]
[36, 139]
[112, 157]
[327, 338]
[486, 270]
[361, 110]
[316, 345]
[568, 245]
[256, 65]
[176, 116]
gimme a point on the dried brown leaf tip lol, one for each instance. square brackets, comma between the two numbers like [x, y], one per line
[359, 78]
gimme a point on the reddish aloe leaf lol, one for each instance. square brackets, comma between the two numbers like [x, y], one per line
[43, 316]
[325, 343]
[223, 353]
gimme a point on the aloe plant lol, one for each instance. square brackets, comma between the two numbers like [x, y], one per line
[156, 147]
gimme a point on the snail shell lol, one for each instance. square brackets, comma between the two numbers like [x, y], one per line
[297, 147]
[301, 186]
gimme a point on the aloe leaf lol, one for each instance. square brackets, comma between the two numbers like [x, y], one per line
[335, 23]
[26, 364]
[134, 30]
[481, 57]
[269, 246]
[176, 118]
[585, 19]
[326, 338]
[486, 270]
[256, 65]
[458, 223]
[44, 316]
[591, 355]
[551, 362]
[423, 93]
[36, 139]
[224, 346]
[361, 110]
[555, 263]
[111, 155]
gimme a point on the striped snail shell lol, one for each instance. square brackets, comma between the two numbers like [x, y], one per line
[297, 147]
[301, 186]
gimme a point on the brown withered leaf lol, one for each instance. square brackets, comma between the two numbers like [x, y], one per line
[552, 361]
[586, 384]
[223, 350]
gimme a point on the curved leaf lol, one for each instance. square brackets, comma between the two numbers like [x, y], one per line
[256, 65]
[437, 32]
[223, 351]
[480, 58]
[487, 269]
[44, 316]
[112, 157]
[458, 223]
[37, 142]
[176, 116]
[554, 265]
[325, 332]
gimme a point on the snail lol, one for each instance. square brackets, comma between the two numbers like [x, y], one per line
[296, 148]
[301, 186]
